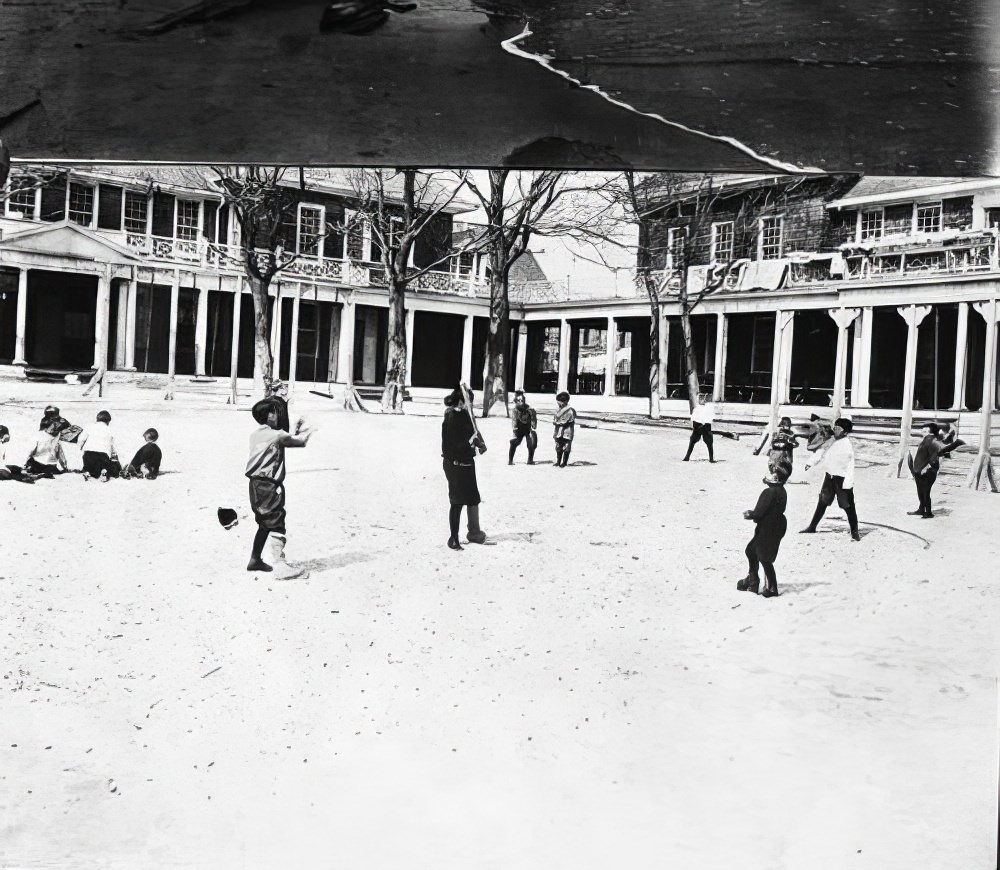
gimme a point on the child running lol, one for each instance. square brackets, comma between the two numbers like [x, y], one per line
[524, 421]
[146, 462]
[459, 443]
[564, 422]
[100, 458]
[769, 516]
[266, 473]
[838, 460]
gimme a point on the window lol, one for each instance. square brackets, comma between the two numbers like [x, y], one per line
[872, 223]
[929, 218]
[21, 202]
[81, 204]
[676, 237]
[188, 222]
[310, 230]
[722, 242]
[770, 238]
[136, 212]
[464, 264]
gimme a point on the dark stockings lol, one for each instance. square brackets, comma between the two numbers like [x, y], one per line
[454, 519]
[924, 483]
[701, 433]
[756, 563]
[258, 542]
[850, 510]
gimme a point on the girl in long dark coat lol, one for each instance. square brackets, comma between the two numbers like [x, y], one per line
[459, 443]
[769, 515]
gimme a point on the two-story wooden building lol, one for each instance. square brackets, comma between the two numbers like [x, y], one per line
[138, 269]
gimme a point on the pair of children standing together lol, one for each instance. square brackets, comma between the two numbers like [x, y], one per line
[524, 422]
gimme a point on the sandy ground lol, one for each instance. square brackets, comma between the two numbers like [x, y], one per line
[590, 691]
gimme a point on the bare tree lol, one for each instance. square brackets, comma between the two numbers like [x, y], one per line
[397, 218]
[263, 206]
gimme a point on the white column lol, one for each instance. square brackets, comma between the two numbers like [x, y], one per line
[175, 295]
[408, 327]
[129, 338]
[234, 353]
[333, 352]
[787, 343]
[121, 327]
[843, 317]
[912, 315]
[609, 362]
[102, 321]
[983, 462]
[782, 319]
[862, 359]
[22, 317]
[467, 350]
[276, 330]
[201, 332]
[961, 343]
[721, 336]
[562, 383]
[293, 351]
[522, 355]
[345, 353]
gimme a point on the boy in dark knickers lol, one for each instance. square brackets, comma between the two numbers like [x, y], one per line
[266, 471]
[524, 421]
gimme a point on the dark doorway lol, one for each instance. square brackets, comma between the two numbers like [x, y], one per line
[245, 352]
[8, 314]
[749, 357]
[888, 358]
[437, 349]
[152, 327]
[632, 356]
[814, 358]
[541, 365]
[974, 361]
[219, 334]
[935, 375]
[480, 336]
[187, 317]
[313, 349]
[371, 332]
[703, 331]
[61, 319]
[588, 356]
[113, 308]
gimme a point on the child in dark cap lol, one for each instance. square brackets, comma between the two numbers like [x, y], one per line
[769, 516]
[838, 461]
[459, 442]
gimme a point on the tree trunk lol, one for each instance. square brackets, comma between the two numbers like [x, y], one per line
[654, 355]
[395, 368]
[263, 369]
[495, 370]
[693, 385]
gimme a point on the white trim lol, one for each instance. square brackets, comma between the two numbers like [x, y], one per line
[713, 253]
[928, 191]
[95, 202]
[931, 204]
[861, 220]
[298, 227]
[780, 218]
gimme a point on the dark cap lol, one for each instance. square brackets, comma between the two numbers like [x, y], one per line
[844, 424]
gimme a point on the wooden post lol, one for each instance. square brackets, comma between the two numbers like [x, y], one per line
[843, 317]
[562, 381]
[22, 317]
[961, 343]
[781, 321]
[912, 315]
[234, 351]
[984, 462]
[721, 339]
[609, 358]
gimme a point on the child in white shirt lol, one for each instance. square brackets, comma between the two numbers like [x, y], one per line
[838, 461]
[100, 459]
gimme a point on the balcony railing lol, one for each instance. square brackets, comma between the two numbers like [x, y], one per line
[355, 273]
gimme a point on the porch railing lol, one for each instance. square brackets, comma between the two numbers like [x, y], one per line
[356, 273]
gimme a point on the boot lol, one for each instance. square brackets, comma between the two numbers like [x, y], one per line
[475, 534]
[771, 590]
[565, 457]
[510, 455]
[750, 583]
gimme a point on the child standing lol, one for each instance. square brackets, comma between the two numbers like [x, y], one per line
[459, 443]
[769, 516]
[702, 417]
[146, 462]
[925, 464]
[100, 459]
[266, 472]
[838, 459]
[524, 421]
[564, 422]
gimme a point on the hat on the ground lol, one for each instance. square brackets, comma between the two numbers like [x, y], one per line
[227, 518]
[844, 423]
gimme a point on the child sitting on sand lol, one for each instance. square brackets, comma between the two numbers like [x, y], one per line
[10, 472]
[146, 462]
[47, 457]
[100, 459]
